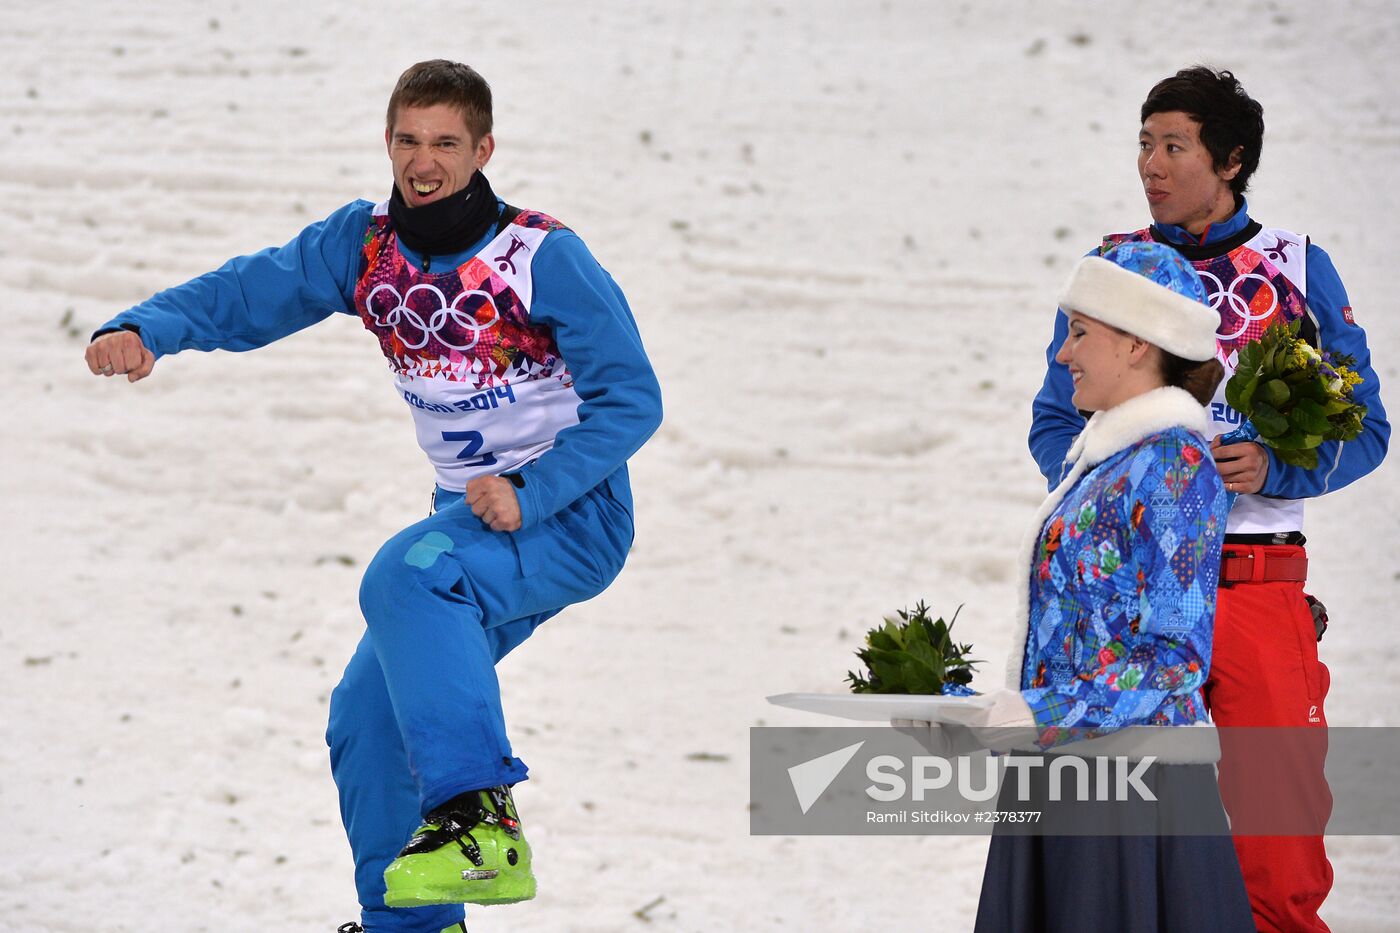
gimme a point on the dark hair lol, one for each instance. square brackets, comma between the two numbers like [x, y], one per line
[1230, 119]
[442, 82]
[1198, 378]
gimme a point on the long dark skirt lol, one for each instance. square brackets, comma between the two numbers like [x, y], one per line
[1150, 880]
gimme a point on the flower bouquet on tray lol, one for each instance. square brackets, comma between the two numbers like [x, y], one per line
[1293, 396]
[913, 670]
[915, 654]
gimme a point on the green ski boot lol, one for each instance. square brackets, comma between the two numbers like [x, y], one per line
[470, 850]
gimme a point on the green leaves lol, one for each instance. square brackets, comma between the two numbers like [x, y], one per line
[1307, 459]
[1251, 356]
[1337, 405]
[1239, 391]
[1310, 417]
[915, 654]
[1269, 420]
[1274, 392]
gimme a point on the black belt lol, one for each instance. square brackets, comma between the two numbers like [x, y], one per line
[1275, 538]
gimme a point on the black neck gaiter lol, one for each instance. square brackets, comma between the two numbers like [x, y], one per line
[448, 225]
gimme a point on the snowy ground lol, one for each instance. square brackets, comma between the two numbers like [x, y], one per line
[841, 227]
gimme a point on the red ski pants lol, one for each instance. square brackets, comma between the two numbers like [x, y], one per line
[1265, 672]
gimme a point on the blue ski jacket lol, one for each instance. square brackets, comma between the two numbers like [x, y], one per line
[252, 300]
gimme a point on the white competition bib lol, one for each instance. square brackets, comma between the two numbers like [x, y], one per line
[1241, 318]
[488, 390]
[468, 432]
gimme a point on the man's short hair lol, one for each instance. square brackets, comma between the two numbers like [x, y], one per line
[1230, 119]
[442, 82]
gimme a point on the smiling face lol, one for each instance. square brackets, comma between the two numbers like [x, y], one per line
[1108, 366]
[1178, 176]
[433, 152]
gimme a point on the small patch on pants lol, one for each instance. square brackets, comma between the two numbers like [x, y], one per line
[427, 549]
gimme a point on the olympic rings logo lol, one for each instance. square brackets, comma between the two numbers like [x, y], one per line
[1220, 295]
[437, 322]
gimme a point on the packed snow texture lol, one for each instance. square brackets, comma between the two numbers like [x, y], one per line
[841, 227]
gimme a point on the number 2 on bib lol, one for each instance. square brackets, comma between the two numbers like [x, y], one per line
[469, 454]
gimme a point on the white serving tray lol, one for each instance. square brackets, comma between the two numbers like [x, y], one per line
[882, 707]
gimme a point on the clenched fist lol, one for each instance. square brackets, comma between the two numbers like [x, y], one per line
[492, 499]
[120, 352]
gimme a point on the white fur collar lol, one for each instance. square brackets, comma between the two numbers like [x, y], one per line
[1141, 416]
[1106, 433]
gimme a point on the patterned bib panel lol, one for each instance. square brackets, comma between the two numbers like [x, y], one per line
[1254, 285]
[488, 390]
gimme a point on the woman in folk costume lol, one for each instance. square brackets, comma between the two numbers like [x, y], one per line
[1116, 617]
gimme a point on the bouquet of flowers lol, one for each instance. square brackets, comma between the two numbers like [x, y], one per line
[1294, 396]
[914, 654]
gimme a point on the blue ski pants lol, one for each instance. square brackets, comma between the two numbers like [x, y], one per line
[416, 719]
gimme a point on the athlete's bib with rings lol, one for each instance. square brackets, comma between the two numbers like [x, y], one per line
[1258, 283]
[488, 390]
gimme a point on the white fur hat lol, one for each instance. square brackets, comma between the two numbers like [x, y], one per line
[1150, 291]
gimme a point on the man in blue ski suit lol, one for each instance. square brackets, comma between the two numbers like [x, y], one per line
[1199, 142]
[521, 365]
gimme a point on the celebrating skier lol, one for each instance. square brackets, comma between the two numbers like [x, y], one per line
[522, 368]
